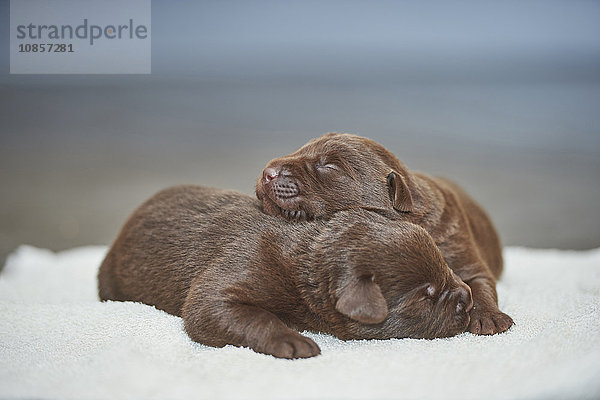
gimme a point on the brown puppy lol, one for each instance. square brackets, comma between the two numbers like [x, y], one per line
[238, 276]
[340, 171]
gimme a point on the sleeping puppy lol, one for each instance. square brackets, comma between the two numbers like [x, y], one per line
[238, 276]
[340, 171]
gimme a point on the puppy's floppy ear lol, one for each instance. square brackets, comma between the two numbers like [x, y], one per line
[362, 301]
[399, 193]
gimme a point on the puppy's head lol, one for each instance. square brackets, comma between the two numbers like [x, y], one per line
[394, 282]
[331, 173]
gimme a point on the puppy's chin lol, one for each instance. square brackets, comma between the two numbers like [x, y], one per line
[443, 322]
[268, 206]
[294, 211]
[297, 209]
[454, 325]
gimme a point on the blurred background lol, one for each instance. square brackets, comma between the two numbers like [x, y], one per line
[503, 97]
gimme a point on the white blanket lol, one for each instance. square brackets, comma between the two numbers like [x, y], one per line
[57, 341]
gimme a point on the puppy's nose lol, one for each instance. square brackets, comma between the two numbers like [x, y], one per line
[465, 299]
[269, 174]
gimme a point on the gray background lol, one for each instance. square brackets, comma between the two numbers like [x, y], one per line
[503, 97]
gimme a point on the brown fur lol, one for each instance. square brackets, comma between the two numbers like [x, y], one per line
[340, 171]
[238, 276]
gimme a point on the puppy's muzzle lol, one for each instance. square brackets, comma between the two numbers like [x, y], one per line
[280, 184]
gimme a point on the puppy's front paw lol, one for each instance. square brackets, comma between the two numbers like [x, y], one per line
[291, 345]
[486, 322]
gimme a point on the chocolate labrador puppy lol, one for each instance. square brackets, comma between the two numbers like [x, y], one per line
[238, 276]
[340, 171]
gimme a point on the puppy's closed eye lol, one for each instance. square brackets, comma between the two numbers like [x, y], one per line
[428, 294]
[325, 167]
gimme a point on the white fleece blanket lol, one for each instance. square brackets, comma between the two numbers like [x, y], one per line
[57, 341]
